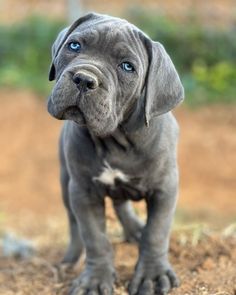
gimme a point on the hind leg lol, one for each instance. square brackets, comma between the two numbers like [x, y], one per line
[130, 222]
[75, 247]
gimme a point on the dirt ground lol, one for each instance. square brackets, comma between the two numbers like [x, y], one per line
[203, 244]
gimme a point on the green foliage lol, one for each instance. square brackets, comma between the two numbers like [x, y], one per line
[25, 51]
[204, 57]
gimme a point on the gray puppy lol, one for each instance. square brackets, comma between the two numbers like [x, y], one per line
[115, 88]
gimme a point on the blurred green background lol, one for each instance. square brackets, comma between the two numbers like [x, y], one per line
[204, 54]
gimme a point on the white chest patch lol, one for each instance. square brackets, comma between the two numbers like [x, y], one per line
[108, 175]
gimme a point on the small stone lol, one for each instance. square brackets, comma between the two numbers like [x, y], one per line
[13, 246]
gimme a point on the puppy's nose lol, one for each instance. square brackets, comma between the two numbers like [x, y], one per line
[85, 81]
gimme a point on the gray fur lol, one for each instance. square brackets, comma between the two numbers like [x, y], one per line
[106, 148]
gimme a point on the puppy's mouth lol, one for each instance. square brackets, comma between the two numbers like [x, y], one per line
[73, 113]
[70, 111]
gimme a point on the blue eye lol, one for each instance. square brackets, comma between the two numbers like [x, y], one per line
[127, 67]
[74, 46]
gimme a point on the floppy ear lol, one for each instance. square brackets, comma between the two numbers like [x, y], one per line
[55, 47]
[163, 86]
[61, 38]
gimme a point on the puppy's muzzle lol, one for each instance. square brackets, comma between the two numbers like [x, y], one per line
[85, 81]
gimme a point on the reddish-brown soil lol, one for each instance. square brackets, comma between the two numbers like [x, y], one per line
[203, 244]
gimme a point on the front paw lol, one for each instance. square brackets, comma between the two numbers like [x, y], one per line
[153, 278]
[97, 281]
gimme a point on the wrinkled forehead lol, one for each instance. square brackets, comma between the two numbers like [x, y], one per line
[103, 20]
[115, 35]
[104, 23]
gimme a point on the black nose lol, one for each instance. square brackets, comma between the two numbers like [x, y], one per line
[85, 81]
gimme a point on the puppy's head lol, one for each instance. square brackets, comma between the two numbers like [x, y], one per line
[102, 66]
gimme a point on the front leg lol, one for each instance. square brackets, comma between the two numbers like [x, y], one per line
[153, 273]
[99, 275]
[130, 222]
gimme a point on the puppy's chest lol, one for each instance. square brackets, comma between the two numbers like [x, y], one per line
[121, 182]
